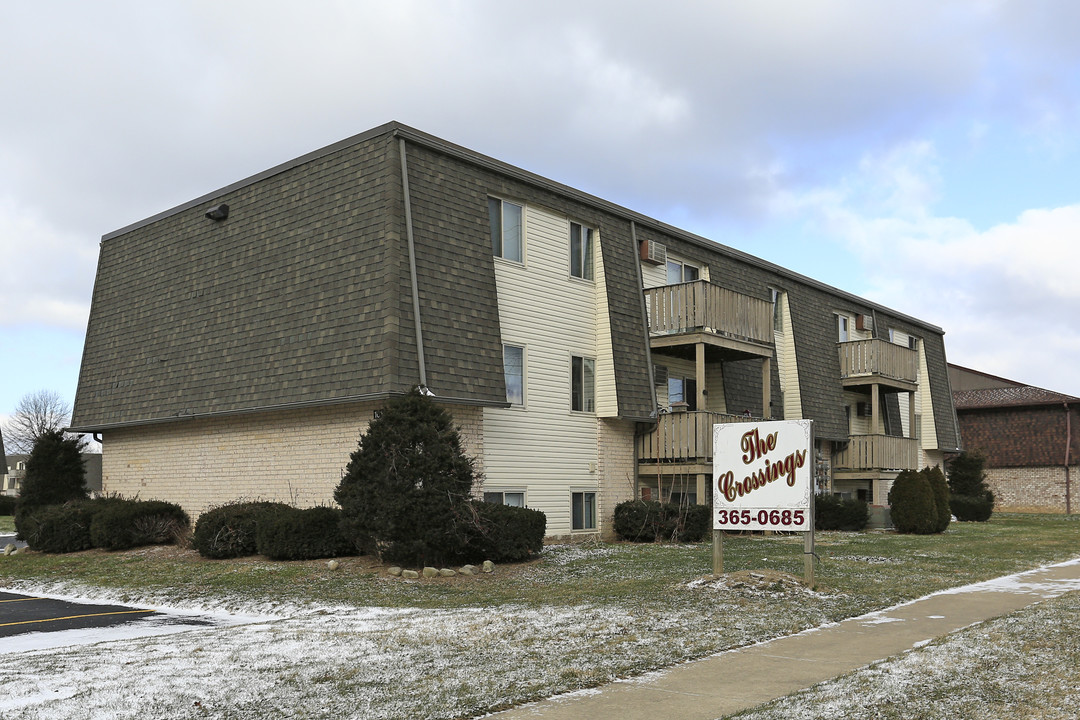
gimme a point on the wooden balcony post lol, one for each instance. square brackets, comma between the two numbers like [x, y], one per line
[766, 387]
[699, 375]
[875, 410]
[911, 415]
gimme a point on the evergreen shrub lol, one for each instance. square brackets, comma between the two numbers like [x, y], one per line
[503, 533]
[121, 524]
[912, 504]
[7, 505]
[652, 521]
[54, 473]
[406, 492]
[970, 497]
[58, 528]
[229, 531]
[836, 513]
[940, 488]
[288, 533]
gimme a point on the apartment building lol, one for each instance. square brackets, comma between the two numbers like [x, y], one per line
[239, 344]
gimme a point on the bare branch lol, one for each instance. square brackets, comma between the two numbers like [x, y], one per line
[34, 414]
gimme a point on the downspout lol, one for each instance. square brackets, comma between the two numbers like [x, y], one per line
[648, 355]
[1068, 458]
[412, 267]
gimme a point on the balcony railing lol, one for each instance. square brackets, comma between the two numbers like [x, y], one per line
[859, 358]
[878, 452]
[684, 436]
[702, 306]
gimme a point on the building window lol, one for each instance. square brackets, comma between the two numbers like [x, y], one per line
[506, 235]
[777, 311]
[514, 371]
[842, 330]
[911, 342]
[582, 384]
[514, 498]
[581, 251]
[682, 389]
[583, 510]
[679, 272]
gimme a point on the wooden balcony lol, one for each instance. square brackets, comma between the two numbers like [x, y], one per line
[865, 362]
[699, 311]
[878, 452]
[682, 442]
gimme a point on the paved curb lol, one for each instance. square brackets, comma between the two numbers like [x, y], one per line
[741, 679]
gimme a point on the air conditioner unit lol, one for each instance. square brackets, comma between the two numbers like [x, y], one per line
[653, 252]
[862, 409]
[863, 322]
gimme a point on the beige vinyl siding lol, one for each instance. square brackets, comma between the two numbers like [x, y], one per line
[714, 384]
[925, 404]
[787, 363]
[653, 275]
[543, 446]
[607, 403]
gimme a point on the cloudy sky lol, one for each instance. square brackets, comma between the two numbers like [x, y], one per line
[921, 154]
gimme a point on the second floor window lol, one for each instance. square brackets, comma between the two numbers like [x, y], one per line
[581, 251]
[582, 384]
[514, 370]
[842, 333]
[679, 272]
[506, 235]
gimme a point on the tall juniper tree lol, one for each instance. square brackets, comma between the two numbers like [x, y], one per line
[406, 490]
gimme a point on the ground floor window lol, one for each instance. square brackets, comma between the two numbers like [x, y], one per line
[515, 498]
[583, 510]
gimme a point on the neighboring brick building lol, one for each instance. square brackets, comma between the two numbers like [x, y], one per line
[240, 343]
[1030, 437]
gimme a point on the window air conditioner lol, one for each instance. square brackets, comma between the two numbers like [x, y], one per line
[862, 409]
[660, 374]
[653, 252]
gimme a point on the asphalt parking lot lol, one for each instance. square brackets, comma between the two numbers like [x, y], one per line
[28, 613]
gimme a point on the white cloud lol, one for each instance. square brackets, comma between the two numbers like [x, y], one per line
[1006, 296]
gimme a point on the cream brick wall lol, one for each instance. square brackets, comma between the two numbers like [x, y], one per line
[294, 456]
[615, 468]
[1031, 489]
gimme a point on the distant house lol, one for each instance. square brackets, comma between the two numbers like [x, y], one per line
[239, 344]
[1030, 437]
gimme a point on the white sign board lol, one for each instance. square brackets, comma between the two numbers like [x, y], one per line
[763, 475]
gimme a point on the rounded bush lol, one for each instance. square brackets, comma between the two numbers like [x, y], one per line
[651, 521]
[972, 508]
[58, 528]
[7, 504]
[504, 533]
[836, 513]
[229, 531]
[940, 488]
[912, 504]
[288, 533]
[123, 524]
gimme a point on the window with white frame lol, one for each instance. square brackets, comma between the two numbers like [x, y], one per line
[582, 384]
[843, 329]
[514, 498]
[679, 272]
[581, 251]
[514, 372]
[506, 234]
[583, 510]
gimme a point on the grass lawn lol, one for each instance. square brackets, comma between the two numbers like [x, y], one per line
[7, 524]
[580, 616]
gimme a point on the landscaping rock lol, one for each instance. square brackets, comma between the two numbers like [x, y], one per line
[469, 570]
[10, 549]
[489, 567]
[410, 574]
[395, 571]
[430, 572]
[447, 572]
[333, 564]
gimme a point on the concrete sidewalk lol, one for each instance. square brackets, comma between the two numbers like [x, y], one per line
[740, 679]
